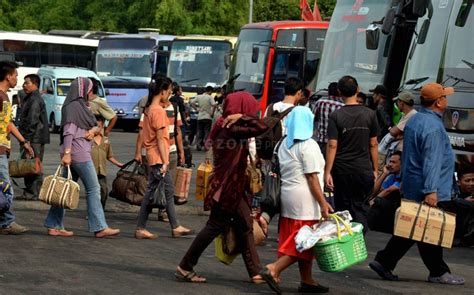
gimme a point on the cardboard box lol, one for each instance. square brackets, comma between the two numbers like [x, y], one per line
[202, 180]
[421, 222]
[182, 182]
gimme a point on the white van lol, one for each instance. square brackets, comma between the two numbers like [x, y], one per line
[54, 86]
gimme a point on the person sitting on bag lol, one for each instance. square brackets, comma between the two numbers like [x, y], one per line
[154, 135]
[101, 152]
[228, 197]
[390, 179]
[35, 128]
[302, 199]
[78, 128]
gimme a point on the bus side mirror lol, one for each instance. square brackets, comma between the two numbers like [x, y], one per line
[423, 32]
[255, 53]
[388, 21]
[372, 35]
[107, 92]
[419, 7]
[227, 60]
[152, 58]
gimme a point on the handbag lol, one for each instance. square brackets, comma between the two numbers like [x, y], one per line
[5, 201]
[219, 251]
[22, 167]
[130, 186]
[230, 243]
[254, 176]
[270, 197]
[60, 192]
[158, 198]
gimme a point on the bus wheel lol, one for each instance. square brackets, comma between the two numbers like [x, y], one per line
[129, 125]
[52, 124]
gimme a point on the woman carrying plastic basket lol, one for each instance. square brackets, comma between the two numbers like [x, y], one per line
[302, 199]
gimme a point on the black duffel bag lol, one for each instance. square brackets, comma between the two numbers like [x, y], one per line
[381, 216]
[130, 186]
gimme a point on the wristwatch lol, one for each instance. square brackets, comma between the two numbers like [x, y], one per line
[22, 143]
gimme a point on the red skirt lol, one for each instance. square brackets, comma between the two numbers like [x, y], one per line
[286, 238]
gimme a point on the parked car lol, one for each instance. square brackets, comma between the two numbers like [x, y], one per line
[54, 86]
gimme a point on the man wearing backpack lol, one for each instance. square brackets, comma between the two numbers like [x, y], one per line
[275, 117]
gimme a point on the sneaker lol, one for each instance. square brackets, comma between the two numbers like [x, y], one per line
[382, 272]
[448, 279]
[163, 216]
[13, 229]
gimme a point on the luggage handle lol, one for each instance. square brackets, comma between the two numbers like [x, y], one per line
[58, 172]
[338, 221]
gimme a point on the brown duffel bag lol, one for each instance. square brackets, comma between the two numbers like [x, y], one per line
[130, 186]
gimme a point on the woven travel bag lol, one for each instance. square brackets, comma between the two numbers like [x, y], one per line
[59, 191]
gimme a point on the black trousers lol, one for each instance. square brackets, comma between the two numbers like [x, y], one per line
[218, 221]
[351, 192]
[464, 218]
[204, 127]
[397, 247]
[33, 183]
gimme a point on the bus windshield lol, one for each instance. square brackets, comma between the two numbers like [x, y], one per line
[124, 57]
[425, 58]
[195, 63]
[458, 69]
[252, 74]
[345, 52]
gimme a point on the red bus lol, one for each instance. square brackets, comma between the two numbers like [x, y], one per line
[268, 53]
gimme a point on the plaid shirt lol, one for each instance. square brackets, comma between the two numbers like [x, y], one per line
[321, 110]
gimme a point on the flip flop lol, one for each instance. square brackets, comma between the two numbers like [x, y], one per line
[307, 288]
[267, 276]
[188, 278]
[448, 279]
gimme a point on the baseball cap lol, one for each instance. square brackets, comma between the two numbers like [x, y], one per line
[405, 96]
[432, 91]
[380, 89]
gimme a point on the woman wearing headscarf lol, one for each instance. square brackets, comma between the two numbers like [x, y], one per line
[302, 199]
[228, 197]
[78, 128]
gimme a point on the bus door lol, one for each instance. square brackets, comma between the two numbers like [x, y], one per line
[287, 62]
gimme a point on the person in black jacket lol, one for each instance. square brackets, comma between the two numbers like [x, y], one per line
[34, 127]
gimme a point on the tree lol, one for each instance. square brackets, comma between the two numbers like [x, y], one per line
[170, 18]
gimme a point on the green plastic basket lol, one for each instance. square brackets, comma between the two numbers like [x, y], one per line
[336, 255]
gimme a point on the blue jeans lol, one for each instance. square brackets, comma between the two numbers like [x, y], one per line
[8, 217]
[86, 172]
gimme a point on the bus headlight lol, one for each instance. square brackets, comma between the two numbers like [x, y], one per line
[135, 109]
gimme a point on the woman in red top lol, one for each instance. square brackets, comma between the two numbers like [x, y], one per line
[228, 197]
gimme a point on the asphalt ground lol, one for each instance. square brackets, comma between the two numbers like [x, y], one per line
[34, 263]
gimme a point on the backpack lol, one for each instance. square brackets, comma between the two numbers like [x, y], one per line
[270, 196]
[267, 141]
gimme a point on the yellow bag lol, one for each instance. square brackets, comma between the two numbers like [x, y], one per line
[219, 252]
[202, 179]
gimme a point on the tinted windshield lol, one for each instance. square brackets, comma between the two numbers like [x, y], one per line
[124, 57]
[64, 84]
[426, 57]
[252, 74]
[459, 56]
[345, 52]
[199, 62]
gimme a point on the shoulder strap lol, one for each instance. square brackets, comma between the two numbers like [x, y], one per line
[286, 112]
[277, 147]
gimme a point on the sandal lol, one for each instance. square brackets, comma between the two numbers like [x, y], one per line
[268, 277]
[307, 288]
[448, 279]
[190, 277]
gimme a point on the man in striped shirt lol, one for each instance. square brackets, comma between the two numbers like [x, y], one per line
[321, 110]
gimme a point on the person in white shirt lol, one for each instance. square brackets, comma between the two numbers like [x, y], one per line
[302, 199]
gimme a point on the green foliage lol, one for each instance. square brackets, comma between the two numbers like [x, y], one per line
[179, 17]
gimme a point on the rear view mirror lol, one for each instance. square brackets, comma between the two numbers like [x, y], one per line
[388, 21]
[255, 53]
[419, 7]
[372, 35]
[423, 32]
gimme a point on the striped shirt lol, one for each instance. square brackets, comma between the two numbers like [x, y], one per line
[170, 114]
[321, 110]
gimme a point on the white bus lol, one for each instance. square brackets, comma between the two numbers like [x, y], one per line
[34, 50]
